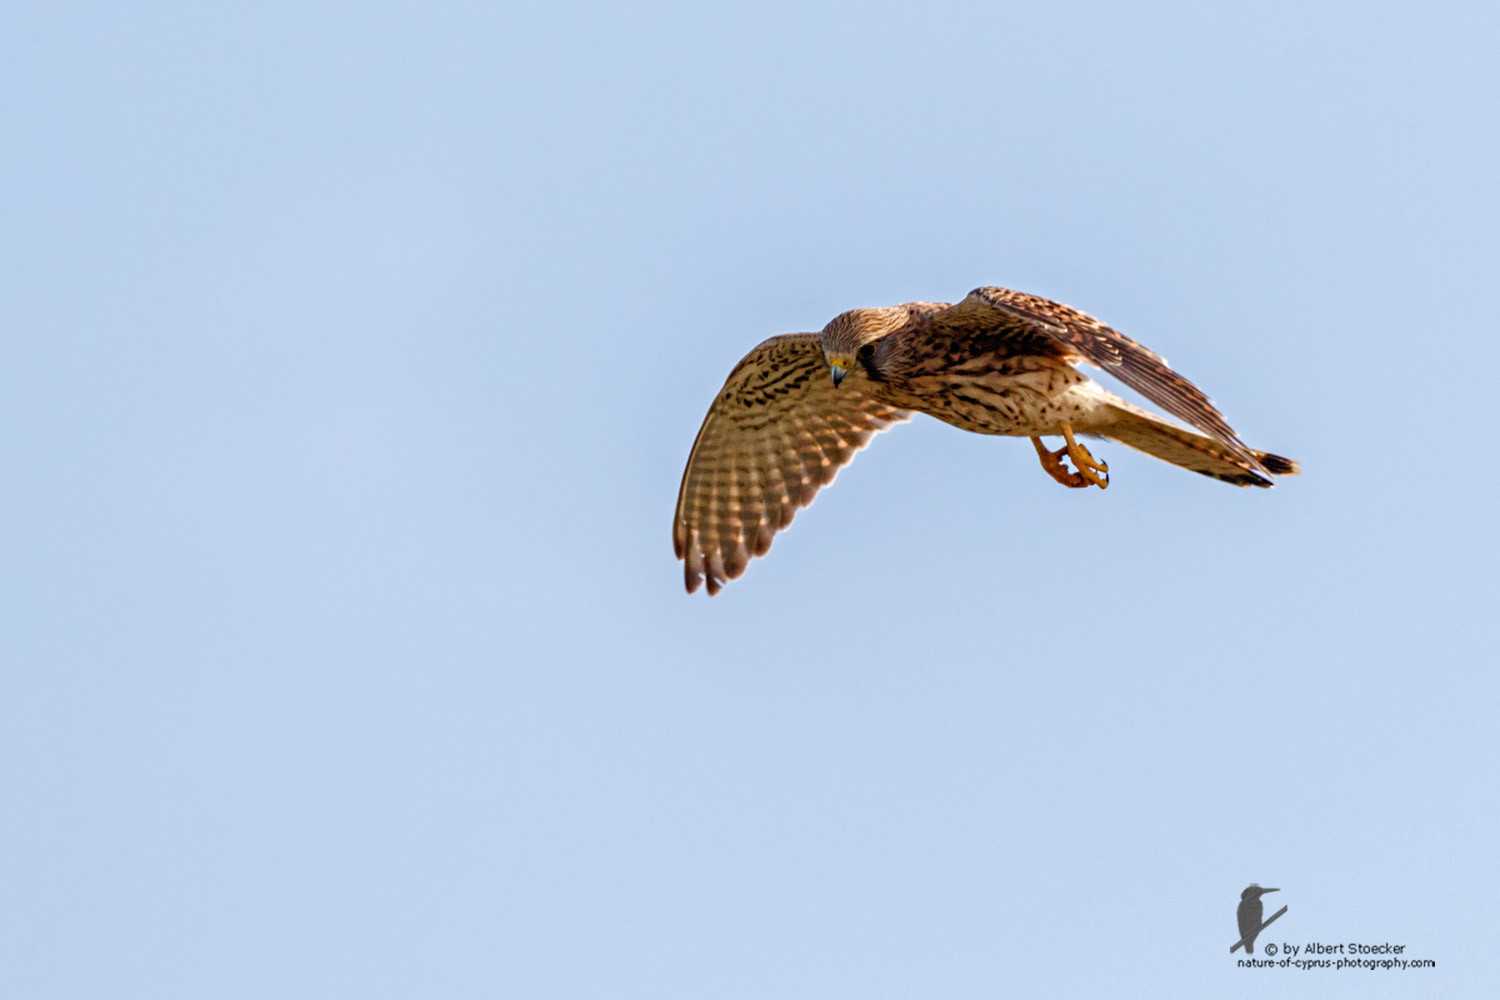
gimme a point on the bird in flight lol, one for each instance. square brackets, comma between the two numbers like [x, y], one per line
[798, 407]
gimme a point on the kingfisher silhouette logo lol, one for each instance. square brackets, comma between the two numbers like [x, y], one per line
[1306, 953]
[1249, 916]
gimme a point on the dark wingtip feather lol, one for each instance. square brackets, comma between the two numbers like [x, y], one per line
[1277, 465]
[1238, 478]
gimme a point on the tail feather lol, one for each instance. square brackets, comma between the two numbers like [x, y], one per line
[1146, 432]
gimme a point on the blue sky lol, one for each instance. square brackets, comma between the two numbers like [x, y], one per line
[351, 354]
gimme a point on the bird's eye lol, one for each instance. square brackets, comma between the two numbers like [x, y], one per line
[866, 353]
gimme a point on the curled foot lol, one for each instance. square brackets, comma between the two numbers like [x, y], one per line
[1091, 472]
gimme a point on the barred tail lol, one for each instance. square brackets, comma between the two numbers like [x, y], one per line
[1190, 450]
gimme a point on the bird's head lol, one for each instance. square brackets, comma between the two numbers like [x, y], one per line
[849, 341]
[842, 362]
[1253, 891]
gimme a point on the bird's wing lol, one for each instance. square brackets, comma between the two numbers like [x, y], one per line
[777, 432]
[1248, 916]
[1087, 339]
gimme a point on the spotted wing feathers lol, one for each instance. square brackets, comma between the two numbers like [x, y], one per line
[1090, 340]
[778, 431]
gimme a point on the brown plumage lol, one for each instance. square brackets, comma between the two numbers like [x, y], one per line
[798, 407]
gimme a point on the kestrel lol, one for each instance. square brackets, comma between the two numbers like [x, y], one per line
[798, 407]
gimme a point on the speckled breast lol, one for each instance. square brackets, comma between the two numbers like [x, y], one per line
[1013, 395]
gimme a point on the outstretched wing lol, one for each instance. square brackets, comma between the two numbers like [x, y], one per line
[1089, 340]
[778, 432]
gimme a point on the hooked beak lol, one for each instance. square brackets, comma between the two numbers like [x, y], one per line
[838, 374]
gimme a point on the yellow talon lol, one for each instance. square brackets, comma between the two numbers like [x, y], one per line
[1091, 472]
